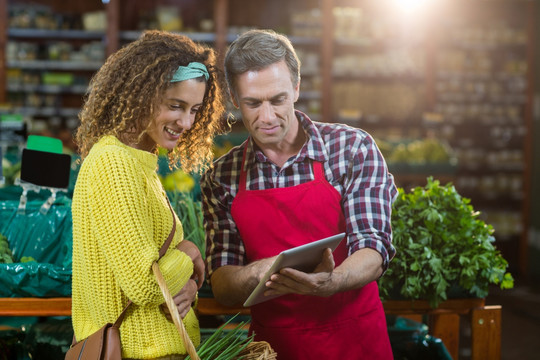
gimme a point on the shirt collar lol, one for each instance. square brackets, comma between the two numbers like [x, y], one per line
[313, 148]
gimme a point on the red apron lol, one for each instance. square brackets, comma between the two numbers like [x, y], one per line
[347, 325]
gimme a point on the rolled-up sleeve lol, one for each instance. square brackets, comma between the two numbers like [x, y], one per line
[367, 202]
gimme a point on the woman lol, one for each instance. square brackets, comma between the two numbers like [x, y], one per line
[159, 91]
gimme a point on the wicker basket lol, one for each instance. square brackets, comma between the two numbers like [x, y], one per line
[256, 350]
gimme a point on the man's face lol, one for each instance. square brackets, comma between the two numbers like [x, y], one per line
[266, 100]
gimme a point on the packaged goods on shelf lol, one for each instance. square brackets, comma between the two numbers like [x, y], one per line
[482, 35]
[35, 16]
[306, 23]
[95, 21]
[57, 78]
[397, 62]
[32, 17]
[505, 223]
[309, 60]
[373, 99]
[55, 51]
[18, 50]
[350, 24]
[169, 18]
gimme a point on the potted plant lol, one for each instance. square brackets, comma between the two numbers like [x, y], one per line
[444, 249]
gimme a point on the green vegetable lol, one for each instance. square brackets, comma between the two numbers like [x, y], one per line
[6, 257]
[190, 213]
[420, 152]
[441, 246]
[224, 345]
[10, 171]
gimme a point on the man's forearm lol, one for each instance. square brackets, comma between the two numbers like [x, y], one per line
[233, 284]
[359, 269]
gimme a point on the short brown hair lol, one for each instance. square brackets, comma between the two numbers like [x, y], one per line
[255, 50]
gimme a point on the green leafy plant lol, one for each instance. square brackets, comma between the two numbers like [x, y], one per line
[190, 213]
[225, 344]
[442, 245]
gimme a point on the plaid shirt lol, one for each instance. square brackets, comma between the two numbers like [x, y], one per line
[353, 165]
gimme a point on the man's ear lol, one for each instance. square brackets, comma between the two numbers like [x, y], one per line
[233, 99]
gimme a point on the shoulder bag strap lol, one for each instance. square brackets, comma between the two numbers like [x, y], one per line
[162, 252]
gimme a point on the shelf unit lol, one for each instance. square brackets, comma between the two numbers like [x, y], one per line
[470, 64]
[48, 61]
[59, 104]
[416, 78]
[444, 321]
[486, 101]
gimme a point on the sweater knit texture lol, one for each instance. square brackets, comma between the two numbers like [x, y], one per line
[120, 221]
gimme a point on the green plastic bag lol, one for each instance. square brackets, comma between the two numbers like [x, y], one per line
[41, 234]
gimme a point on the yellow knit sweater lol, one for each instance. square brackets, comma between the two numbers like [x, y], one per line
[120, 221]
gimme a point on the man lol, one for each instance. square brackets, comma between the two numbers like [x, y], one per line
[292, 182]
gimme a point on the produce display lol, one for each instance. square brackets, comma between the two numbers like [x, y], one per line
[6, 257]
[420, 156]
[35, 246]
[422, 151]
[443, 248]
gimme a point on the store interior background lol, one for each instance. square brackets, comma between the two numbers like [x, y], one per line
[216, 21]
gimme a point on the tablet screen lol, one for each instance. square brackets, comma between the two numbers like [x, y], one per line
[304, 258]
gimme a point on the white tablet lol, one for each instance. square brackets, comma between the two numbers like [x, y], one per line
[304, 258]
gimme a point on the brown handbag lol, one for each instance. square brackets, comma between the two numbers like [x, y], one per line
[105, 343]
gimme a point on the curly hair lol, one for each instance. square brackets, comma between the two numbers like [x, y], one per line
[124, 97]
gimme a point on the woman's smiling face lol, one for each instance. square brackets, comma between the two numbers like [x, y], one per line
[176, 114]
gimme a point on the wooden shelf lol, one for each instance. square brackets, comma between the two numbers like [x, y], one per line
[444, 321]
[35, 306]
[54, 34]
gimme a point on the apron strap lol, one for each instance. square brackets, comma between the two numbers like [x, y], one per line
[318, 172]
[242, 183]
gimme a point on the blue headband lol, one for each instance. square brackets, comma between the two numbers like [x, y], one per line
[192, 71]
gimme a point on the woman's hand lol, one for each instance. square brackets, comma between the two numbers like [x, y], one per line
[191, 250]
[183, 300]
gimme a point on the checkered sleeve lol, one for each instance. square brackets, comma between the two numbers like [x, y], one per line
[369, 192]
[223, 243]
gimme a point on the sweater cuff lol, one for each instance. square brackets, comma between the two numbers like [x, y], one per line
[176, 268]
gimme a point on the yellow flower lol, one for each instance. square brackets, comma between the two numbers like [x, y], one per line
[178, 181]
